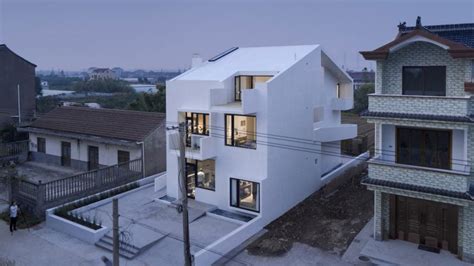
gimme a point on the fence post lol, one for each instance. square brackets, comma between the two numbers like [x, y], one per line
[40, 200]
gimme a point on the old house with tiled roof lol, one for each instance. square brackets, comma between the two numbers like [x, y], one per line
[88, 138]
[423, 113]
[17, 87]
[102, 73]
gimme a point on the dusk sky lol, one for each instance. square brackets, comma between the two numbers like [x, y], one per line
[77, 34]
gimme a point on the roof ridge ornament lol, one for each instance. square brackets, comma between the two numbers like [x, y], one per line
[418, 22]
[402, 26]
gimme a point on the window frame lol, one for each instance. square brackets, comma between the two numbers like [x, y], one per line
[122, 152]
[238, 195]
[252, 85]
[196, 170]
[190, 119]
[42, 145]
[233, 133]
[423, 89]
[423, 148]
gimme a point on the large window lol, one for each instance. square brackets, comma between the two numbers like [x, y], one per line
[41, 142]
[241, 131]
[424, 147]
[247, 82]
[425, 80]
[245, 194]
[196, 123]
[201, 174]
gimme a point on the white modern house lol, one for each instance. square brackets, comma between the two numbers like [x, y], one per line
[263, 127]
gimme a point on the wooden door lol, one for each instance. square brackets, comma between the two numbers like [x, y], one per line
[425, 222]
[93, 157]
[65, 153]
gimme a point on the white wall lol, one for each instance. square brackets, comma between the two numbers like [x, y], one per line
[107, 152]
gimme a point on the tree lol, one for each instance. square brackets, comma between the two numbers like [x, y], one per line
[150, 102]
[103, 85]
[361, 101]
[38, 86]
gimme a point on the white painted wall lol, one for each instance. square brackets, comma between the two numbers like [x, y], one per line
[107, 152]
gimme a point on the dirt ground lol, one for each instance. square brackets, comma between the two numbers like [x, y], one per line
[326, 220]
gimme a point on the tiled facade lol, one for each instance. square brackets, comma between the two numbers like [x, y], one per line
[388, 98]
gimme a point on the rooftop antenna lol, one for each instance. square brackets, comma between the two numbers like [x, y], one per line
[418, 22]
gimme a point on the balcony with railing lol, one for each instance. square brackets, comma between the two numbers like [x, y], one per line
[202, 147]
[247, 105]
[421, 104]
[385, 168]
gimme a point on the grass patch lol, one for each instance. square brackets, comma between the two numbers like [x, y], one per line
[67, 211]
[25, 219]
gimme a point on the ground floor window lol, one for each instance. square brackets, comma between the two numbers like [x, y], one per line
[41, 142]
[123, 156]
[201, 174]
[245, 194]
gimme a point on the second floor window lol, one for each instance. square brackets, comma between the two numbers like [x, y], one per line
[241, 131]
[424, 147]
[196, 123]
[424, 80]
[247, 82]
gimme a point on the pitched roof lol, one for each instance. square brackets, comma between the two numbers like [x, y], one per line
[416, 188]
[459, 40]
[100, 70]
[460, 33]
[106, 123]
[4, 47]
[271, 59]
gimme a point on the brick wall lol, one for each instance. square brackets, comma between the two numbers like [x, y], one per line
[467, 233]
[423, 54]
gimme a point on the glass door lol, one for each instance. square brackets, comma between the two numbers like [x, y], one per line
[191, 170]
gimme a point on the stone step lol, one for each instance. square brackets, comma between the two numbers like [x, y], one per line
[107, 244]
[126, 246]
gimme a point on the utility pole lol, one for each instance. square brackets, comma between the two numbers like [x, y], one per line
[19, 104]
[115, 231]
[184, 195]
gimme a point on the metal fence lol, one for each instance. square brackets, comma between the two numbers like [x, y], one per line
[12, 150]
[41, 196]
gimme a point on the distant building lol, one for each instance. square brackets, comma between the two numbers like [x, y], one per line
[102, 73]
[87, 138]
[361, 78]
[118, 71]
[16, 71]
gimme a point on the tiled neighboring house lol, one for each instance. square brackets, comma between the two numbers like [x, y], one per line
[14, 71]
[250, 114]
[423, 113]
[88, 138]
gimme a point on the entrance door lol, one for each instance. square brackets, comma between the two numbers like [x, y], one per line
[65, 153]
[93, 157]
[191, 171]
[425, 222]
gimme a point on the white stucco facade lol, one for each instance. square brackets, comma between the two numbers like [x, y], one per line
[298, 124]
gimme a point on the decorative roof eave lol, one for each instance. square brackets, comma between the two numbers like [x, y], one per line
[456, 50]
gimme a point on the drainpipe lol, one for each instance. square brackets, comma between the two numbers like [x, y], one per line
[142, 143]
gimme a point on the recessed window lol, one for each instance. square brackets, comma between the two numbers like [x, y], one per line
[241, 131]
[425, 80]
[245, 194]
[201, 173]
[424, 147]
[338, 90]
[123, 156]
[247, 82]
[41, 142]
[197, 124]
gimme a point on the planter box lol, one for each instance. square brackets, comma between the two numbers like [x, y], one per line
[81, 232]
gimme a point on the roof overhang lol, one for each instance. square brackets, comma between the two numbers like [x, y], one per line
[456, 50]
[112, 141]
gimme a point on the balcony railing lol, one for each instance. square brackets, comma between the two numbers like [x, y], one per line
[383, 169]
[202, 147]
[247, 105]
[420, 104]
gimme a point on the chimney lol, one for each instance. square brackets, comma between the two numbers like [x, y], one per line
[196, 61]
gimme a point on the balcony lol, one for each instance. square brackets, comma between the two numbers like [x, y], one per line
[202, 147]
[342, 104]
[420, 104]
[328, 133]
[248, 105]
[383, 169]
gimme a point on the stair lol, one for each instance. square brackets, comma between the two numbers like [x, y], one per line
[126, 250]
